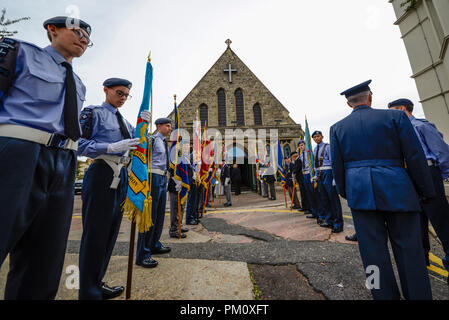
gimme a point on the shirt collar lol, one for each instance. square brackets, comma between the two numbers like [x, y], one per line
[362, 107]
[158, 134]
[57, 57]
[412, 118]
[109, 107]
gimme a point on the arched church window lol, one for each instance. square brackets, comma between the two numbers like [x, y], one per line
[221, 108]
[257, 115]
[287, 150]
[204, 114]
[239, 106]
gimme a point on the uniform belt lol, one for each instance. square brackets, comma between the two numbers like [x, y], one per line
[306, 172]
[116, 159]
[158, 171]
[374, 163]
[116, 163]
[324, 168]
[47, 139]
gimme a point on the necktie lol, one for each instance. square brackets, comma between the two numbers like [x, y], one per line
[71, 121]
[122, 125]
[316, 156]
[166, 153]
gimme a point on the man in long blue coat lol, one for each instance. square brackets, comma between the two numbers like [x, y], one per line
[437, 155]
[369, 148]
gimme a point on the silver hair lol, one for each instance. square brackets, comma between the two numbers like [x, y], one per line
[359, 98]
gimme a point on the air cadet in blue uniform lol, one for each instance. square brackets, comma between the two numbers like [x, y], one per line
[40, 101]
[329, 202]
[192, 198]
[148, 242]
[437, 155]
[368, 150]
[311, 193]
[107, 138]
[290, 181]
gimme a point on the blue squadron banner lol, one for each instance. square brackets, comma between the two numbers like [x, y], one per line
[137, 205]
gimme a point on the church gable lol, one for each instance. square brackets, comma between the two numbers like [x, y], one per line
[230, 95]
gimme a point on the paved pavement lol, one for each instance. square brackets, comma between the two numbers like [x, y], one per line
[256, 249]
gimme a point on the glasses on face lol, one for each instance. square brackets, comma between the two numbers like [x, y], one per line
[120, 93]
[81, 36]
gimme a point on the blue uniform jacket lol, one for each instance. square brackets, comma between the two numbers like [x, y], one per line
[368, 150]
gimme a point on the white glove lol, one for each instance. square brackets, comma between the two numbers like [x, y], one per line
[227, 182]
[333, 183]
[123, 145]
[178, 184]
[145, 115]
[294, 177]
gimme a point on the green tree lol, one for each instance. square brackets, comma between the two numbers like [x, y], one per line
[4, 23]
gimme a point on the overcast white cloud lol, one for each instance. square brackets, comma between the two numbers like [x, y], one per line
[305, 52]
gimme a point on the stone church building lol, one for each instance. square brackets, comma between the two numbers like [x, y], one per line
[230, 96]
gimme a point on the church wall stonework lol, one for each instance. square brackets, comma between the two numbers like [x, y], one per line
[274, 114]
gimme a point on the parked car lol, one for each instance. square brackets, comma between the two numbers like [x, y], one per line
[78, 186]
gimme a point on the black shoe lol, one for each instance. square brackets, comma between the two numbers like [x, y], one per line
[175, 235]
[311, 216]
[192, 223]
[111, 293]
[264, 196]
[147, 263]
[184, 230]
[297, 208]
[326, 225]
[319, 221]
[351, 238]
[272, 198]
[308, 212]
[160, 250]
[337, 230]
[227, 204]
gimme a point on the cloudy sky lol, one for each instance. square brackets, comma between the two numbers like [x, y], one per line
[305, 52]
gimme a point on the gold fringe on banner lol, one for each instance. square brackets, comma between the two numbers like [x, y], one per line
[142, 219]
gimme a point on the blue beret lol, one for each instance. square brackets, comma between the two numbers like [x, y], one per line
[400, 102]
[114, 82]
[66, 22]
[317, 132]
[163, 121]
[357, 89]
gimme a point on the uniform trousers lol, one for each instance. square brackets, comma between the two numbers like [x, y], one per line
[174, 213]
[37, 191]
[264, 189]
[311, 195]
[330, 206]
[149, 240]
[437, 211]
[373, 228]
[227, 190]
[102, 216]
[192, 204]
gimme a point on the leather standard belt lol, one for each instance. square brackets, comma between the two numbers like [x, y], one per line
[116, 159]
[324, 168]
[53, 140]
